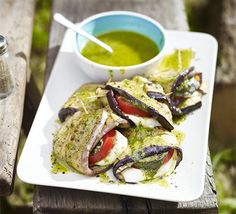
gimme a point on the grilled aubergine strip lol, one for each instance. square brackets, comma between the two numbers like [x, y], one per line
[83, 99]
[79, 135]
[186, 93]
[155, 153]
[135, 92]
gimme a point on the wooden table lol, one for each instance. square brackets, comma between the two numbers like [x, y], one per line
[58, 200]
[16, 22]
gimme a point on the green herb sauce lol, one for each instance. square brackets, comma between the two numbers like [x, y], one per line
[56, 166]
[160, 181]
[179, 135]
[104, 178]
[179, 119]
[129, 48]
[84, 97]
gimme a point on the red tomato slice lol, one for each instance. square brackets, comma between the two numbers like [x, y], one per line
[128, 108]
[108, 143]
[168, 156]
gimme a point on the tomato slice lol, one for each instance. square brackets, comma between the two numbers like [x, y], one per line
[108, 143]
[168, 156]
[128, 108]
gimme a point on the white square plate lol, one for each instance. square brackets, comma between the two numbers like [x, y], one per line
[186, 184]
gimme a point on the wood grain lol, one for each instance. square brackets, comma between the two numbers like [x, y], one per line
[17, 27]
[171, 14]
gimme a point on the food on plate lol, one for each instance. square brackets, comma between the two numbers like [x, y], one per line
[154, 153]
[169, 68]
[133, 103]
[183, 86]
[84, 140]
[127, 125]
[83, 99]
[186, 93]
[129, 48]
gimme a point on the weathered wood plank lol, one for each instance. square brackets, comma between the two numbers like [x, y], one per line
[17, 27]
[57, 200]
[111, 203]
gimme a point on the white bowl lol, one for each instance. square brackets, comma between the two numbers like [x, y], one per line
[113, 21]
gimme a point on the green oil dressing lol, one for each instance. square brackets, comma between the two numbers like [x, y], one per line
[129, 48]
[179, 119]
[57, 167]
[103, 177]
[179, 135]
[160, 181]
[57, 121]
[140, 137]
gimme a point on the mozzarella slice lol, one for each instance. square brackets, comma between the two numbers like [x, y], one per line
[137, 175]
[120, 145]
[144, 121]
[168, 167]
[170, 138]
[195, 98]
[133, 175]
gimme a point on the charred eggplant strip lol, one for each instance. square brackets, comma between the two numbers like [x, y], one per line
[180, 94]
[163, 98]
[150, 147]
[179, 80]
[115, 107]
[190, 82]
[191, 108]
[66, 112]
[130, 161]
[83, 99]
[120, 166]
[159, 97]
[174, 109]
[161, 119]
[144, 102]
[77, 137]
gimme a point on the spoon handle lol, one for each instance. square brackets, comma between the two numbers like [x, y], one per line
[67, 23]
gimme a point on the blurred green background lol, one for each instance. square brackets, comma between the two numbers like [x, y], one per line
[222, 134]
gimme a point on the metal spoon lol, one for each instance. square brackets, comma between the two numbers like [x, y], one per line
[67, 23]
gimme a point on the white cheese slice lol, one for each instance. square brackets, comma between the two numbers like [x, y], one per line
[137, 175]
[120, 145]
[144, 121]
[170, 138]
[195, 98]
[133, 175]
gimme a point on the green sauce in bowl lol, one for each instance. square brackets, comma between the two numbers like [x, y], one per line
[129, 48]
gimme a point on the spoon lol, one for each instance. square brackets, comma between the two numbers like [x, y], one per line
[67, 23]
